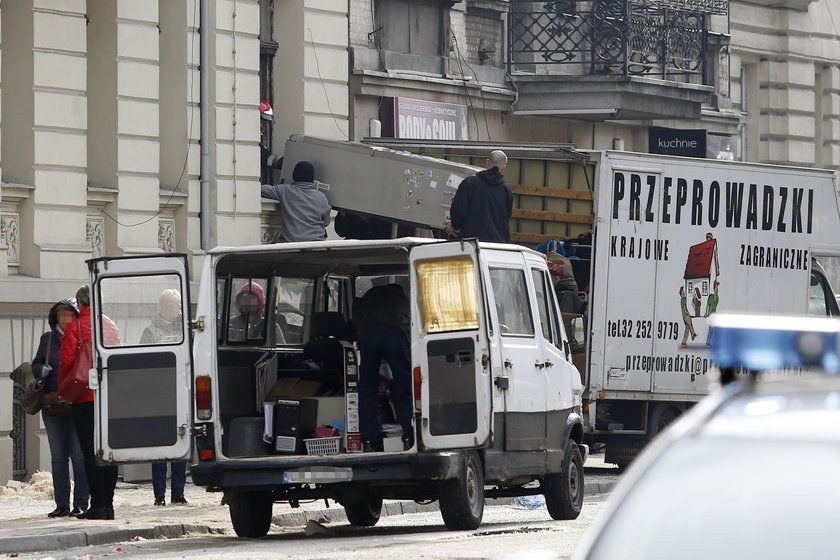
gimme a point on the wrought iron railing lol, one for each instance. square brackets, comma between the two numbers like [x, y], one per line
[18, 433]
[660, 38]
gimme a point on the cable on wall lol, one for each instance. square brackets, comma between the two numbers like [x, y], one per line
[190, 101]
[323, 85]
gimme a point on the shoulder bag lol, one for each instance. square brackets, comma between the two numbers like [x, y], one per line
[31, 399]
[75, 383]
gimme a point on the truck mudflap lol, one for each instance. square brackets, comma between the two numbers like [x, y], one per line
[279, 471]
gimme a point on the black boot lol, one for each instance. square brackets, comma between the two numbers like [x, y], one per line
[99, 512]
[59, 512]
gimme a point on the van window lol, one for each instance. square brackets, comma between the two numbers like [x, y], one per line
[293, 306]
[246, 311]
[146, 309]
[512, 306]
[545, 306]
[447, 295]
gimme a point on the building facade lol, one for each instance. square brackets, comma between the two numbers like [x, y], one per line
[100, 145]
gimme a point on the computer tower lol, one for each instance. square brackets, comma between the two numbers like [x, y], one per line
[294, 420]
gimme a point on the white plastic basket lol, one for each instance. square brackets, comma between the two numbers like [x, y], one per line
[322, 446]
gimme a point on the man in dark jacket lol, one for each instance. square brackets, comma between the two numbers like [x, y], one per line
[482, 204]
[382, 321]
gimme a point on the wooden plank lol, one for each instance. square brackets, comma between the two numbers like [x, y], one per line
[534, 238]
[552, 192]
[552, 216]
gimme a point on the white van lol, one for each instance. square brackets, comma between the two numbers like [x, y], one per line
[496, 398]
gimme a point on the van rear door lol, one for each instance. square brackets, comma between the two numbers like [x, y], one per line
[142, 386]
[449, 345]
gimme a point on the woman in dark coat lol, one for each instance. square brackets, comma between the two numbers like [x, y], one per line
[61, 432]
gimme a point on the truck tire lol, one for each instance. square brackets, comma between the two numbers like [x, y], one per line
[563, 491]
[250, 512]
[363, 514]
[462, 498]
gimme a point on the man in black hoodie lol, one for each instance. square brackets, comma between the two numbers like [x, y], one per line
[482, 204]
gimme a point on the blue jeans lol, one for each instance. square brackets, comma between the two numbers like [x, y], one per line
[382, 341]
[179, 478]
[64, 447]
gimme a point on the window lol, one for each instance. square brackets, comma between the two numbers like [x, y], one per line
[820, 299]
[293, 306]
[546, 308]
[411, 26]
[246, 310]
[512, 307]
[448, 295]
[147, 310]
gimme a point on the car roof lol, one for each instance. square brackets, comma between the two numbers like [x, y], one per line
[802, 408]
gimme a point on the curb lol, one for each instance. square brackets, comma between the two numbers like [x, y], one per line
[97, 536]
[106, 535]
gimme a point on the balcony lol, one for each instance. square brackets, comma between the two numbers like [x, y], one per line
[613, 59]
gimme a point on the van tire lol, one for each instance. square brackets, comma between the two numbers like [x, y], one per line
[363, 514]
[250, 512]
[563, 491]
[462, 497]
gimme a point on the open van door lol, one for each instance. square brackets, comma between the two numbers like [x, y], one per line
[142, 381]
[450, 346]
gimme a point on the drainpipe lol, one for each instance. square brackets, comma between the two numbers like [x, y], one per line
[204, 106]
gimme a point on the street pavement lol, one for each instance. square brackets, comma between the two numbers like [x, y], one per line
[25, 527]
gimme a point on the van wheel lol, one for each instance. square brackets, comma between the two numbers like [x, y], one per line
[250, 512]
[462, 498]
[364, 514]
[564, 490]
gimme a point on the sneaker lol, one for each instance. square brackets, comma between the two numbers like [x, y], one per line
[77, 511]
[179, 500]
[160, 502]
[408, 441]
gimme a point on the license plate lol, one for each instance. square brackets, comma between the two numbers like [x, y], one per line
[320, 475]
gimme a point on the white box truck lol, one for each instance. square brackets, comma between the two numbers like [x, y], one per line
[677, 240]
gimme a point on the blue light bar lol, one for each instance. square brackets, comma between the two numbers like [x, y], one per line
[762, 342]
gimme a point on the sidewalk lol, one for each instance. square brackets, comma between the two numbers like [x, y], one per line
[25, 527]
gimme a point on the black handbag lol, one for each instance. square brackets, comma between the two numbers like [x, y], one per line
[31, 399]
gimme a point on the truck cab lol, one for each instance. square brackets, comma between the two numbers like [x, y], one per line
[263, 396]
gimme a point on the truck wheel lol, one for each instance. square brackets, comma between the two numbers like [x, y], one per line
[668, 415]
[563, 491]
[250, 512]
[363, 514]
[462, 498]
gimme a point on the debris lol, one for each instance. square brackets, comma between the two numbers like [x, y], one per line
[138, 538]
[530, 502]
[314, 528]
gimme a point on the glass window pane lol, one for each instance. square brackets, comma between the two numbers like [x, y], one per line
[448, 296]
[817, 304]
[543, 304]
[147, 310]
[246, 315]
[512, 306]
[294, 306]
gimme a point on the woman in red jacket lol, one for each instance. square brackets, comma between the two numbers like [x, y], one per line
[101, 480]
